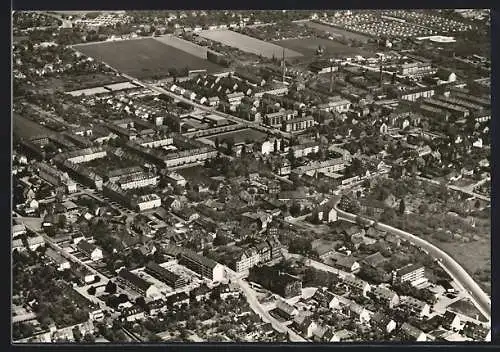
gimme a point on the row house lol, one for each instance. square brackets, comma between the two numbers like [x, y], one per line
[298, 124]
[170, 278]
[415, 306]
[138, 284]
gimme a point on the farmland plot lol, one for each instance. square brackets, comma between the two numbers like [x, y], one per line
[184, 45]
[248, 44]
[146, 58]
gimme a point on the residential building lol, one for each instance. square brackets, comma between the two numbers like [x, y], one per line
[90, 250]
[176, 179]
[202, 266]
[61, 262]
[138, 284]
[413, 273]
[386, 295]
[298, 124]
[383, 322]
[34, 242]
[413, 333]
[451, 321]
[415, 306]
[356, 285]
[170, 278]
[285, 310]
[146, 202]
[137, 180]
[348, 263]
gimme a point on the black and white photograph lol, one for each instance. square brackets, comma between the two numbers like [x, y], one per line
[251, 176]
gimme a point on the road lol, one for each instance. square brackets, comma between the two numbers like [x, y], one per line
[467, 189]
[480, 299]
[260, 310]
[65, 254]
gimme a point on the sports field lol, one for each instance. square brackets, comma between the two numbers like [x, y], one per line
[241, 136]
[248, 44]
[308, 47]
[145, 58]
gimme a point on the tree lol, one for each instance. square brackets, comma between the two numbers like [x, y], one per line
[92, 290]
[110, 287]
[276, 145]
[217, 142]
[402, 206]
[295, 209]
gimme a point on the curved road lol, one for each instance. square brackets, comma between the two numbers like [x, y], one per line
[480, 299]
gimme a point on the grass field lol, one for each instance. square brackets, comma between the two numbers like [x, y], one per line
[25, 128]
[308, 47]
[184, 45]
[337, 31]
[248, 44]
[241, 136]
[145, 58]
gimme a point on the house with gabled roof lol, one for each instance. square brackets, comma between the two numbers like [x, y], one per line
[90, 250]
[413, 333]
[451, 321]
[386, 295]
[383, 322]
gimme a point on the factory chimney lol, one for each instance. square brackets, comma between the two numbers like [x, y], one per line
[380, 78]
[283, 64]
[331, 75]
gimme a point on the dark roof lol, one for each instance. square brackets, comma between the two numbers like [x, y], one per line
[374, 259]
[198, 258]
[346, 262]
[161, 273]
[384, 293]
[410, 330]
[86, 246]
[134, 279]
[408, 269]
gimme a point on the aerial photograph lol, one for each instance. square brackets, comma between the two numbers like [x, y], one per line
[238, 176]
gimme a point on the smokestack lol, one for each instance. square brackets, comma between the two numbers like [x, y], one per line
[283, 65]
[331, 76]
[380, 80]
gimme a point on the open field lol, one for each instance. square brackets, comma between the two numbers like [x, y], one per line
[25, 128]
[308, 47]
[184, 45]
[145, 58]
[241, 136]
[338, 32]
[248, 44]
[472, 256]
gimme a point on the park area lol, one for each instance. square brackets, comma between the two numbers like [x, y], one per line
[146, 58]
[308, 47]
[248, 44]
